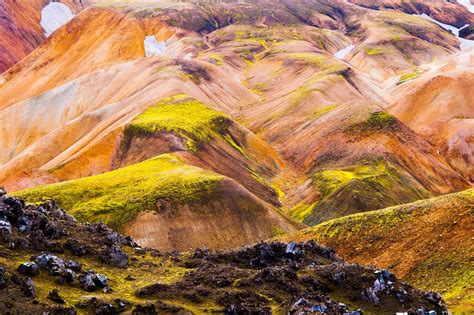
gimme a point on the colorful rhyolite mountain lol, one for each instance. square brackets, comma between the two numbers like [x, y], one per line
[188, 124]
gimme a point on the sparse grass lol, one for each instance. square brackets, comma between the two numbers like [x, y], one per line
[403, 20]
[317, 60]
[450, 273]
[118, 196]
[232, 142]
[344, 227]
[302, 210]
[216, 59]
[296, 96]
[409, 76]
[145, 271]
[396, 38]
[380, 120]
[376, 122]
[277, 231]
[321, 112]
[320, 61]
[374, 51]
[461, 117]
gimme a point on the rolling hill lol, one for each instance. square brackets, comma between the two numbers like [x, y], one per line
[427, 243]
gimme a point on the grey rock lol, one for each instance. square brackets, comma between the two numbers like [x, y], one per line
[30, 269]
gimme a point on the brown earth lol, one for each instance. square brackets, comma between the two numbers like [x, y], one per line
[233, 218]
[438, 106]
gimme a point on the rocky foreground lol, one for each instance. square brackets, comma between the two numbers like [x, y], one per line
[51, 263]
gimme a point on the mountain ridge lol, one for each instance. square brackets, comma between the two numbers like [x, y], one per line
[194, 124]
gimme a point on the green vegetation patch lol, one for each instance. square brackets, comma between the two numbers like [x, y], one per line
[216, 59]
[376, 122]
[143, 271]
[321, 112]
[302, 210]
[118, 196]
[311, 58]
[330, 180]
[450, 273]
[409, 76]
[461, 117]
[254, 37]
[357, 188]
[182, 115]
[380, 120]
[374, 51]
[317, 60]
[384, 219]
[346, 226]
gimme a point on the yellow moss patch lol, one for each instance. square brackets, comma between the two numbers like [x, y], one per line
[409, 76]
[330, 180]
[374, 51]
[147, 270]
[302, 210]
[317, 60]
[321, 112]
[216, 59]
[183, 115]
[117, 197]
[346, 226]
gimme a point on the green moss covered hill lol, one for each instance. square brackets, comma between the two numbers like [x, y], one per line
[182, 115]
[357, 188]
[117, 197]
[374, 180]
[428, 243]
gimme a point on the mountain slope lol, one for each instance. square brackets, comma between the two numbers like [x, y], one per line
[167, 204]
[219, 124]
[427, 243]
[323, 120]
[295, 91]
[20, 28]
[449, 12]
[438, 106]
[60, 266]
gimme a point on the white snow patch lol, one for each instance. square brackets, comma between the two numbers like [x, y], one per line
[188, 56]
[467, 4]
[341, 54]
[53, 16]
[465, 43]
[154, 47]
